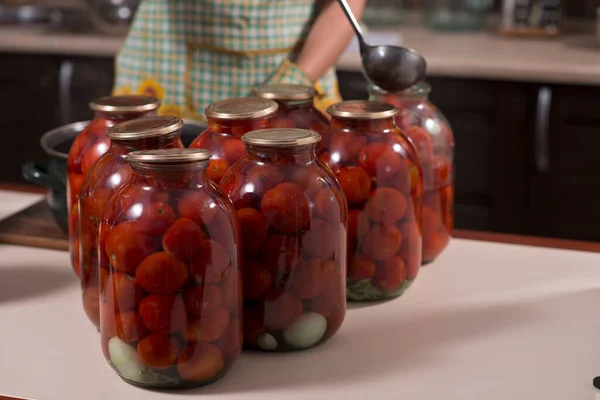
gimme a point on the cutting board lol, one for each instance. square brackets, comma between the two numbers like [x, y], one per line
[35, 227]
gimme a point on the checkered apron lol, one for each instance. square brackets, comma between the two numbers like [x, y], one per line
[190, 53]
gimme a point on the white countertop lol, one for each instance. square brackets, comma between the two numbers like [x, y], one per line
[572, 59]
[485, 321]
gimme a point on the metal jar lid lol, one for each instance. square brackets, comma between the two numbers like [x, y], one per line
[281, 138]
[131, 103]
[362, 109]
[421, 89]
[285, 92]
[146, 127]
[169, 156]
[241, 108]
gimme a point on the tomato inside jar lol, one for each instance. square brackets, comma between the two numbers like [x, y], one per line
[293, 218]
[228, 120]
[107, 175]
[380, 173]
[432, 135]
[91, 144]
[296, 109]
[170, 284]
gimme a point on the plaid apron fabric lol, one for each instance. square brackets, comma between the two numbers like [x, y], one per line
[190, 53]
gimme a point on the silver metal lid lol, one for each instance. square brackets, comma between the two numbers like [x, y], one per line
[276, 137]
[169, 156]
[125, 104]
[421, 89]
[285, 92]
[145, 128]
[362, 109]
[241, 108]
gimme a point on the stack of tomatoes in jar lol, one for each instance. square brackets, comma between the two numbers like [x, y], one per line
[91, 144]
[430, 132]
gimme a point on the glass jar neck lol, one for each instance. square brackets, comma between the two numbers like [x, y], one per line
[363, 125]
[286, 156]
[237, 127]
[168, 141]
[120, 117]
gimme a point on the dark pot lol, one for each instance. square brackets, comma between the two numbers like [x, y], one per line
[56, 143]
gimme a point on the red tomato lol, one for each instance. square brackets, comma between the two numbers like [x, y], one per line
[138, 194]
[358, 224]
[200, 362]
[332, 300]
[309, 179]
[382, 242]
[410, 250]
[93, 153]
[380, 160]
[286, 208]
[433, 245]
[161, 273]
[233, 150]
[197, 206]
[129, 326]
[356, 183]
[254, 230]
[264, 177]
[258, 280]
[441, 170]
[421, 140]
[93, 205]
[345, 145]
[281, 252]
[390, 274]
[75, 184]
[407, 179]
[158, 351]
[360, 267]
[209, 327]
[126, 247]
[322, 240]
[121, 292]
[217, 169]
[231, 288]
[432, 222]
[282, 311]
[386, 205]
[230, 343]
[329, 205]
[183, 239]
[201, 299]
[212, 259]
[91, 304]
[156, 218]
[282, 122]
[163, 314]
[306, 280]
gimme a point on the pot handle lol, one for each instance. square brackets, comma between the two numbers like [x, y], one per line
[39, 175]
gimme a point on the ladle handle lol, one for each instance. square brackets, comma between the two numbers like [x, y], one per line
[355, 25]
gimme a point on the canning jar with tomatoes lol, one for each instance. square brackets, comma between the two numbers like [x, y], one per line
[296, 109]
[380, 173]
[170, 277]
[431, 134]
[293, 218]
[108, 174]
[91, 144]
[228, 120]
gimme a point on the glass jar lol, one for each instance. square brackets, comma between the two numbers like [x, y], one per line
[296, 109]
[380, 173]
[430, 132]
[108, 174]
[91, 144]
[170, 283]
[293, 218]
[228, 121]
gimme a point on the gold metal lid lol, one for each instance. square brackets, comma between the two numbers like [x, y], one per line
[283, 92]
[276, 137]
[145, 128]
[241, 108]
[362, 109]
[131, 103]
[169, 156]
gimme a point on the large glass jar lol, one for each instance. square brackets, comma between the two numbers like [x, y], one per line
[293, 217]
[91, 144]
[380, 173]
[296, 109]
[108, 174]
[228, 121]
[430, 132]
[170, 277]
